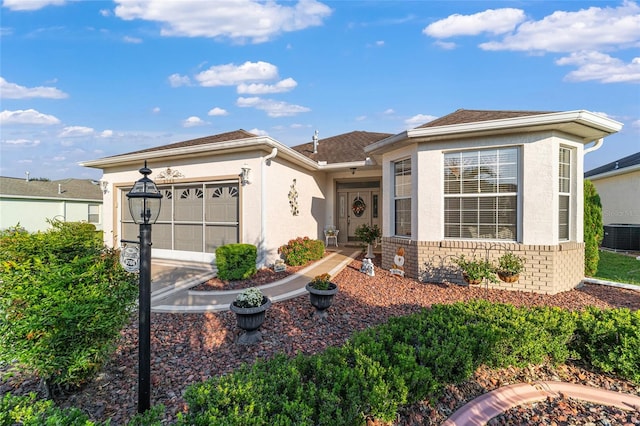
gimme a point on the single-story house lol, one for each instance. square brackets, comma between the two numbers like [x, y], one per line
[618, 184]
[472, 182]
[31, 203]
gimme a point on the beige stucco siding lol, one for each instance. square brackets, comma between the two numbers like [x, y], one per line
[620, 197]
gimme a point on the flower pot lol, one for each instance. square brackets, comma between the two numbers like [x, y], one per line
[321, 299]
[508, 278]
[250, 320]
[470, 281]
[370, 254]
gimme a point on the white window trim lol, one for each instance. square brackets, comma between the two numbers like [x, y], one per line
[394, 198]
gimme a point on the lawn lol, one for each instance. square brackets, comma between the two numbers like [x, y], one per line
[618, 267]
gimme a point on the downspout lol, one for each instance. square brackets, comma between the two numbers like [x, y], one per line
[595, 147]
[262, 259]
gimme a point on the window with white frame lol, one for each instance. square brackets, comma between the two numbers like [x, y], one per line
[481, 194]
[402, 197]
[93, 215]
[564, 193]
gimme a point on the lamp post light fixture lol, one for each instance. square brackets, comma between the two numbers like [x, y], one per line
[144, 205]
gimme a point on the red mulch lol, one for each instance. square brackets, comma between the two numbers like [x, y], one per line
[189, 348]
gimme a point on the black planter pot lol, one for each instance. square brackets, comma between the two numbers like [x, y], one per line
[250, 320]
[321, 299]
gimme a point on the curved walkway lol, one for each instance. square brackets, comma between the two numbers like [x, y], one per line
[482, 409]
[170, 293]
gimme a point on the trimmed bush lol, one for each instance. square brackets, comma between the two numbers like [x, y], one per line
[301, 251]
[593, 228]
[236, 261]
[382, 368]
[64, 299]
[610, 340]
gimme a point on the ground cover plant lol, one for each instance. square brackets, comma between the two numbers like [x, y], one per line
[410, 358]
[618, 267]
[63, 300]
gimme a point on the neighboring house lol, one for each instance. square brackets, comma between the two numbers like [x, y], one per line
[618, 184]
[471, 182]
[31, 203]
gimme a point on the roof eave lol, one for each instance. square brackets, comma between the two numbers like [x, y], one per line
[593, 127]
[615, 172]
[238, 145]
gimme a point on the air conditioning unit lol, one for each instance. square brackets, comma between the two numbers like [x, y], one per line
[621, 236]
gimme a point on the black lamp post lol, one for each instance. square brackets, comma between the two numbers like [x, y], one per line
[144, 205]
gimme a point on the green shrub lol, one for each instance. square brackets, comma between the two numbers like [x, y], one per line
[29, 411]
[593, 228]
[610, 340]
[64, 299]
[302, 251]
[236, 261]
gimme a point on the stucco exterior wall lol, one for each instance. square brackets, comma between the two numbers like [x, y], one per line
[620, 195]
[32, 214]
[553, 265]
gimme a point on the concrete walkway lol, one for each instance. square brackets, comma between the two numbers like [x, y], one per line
[171, 282]
[170, 289]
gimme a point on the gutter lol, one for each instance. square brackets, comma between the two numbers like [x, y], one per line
[595, 147]
[616, 172]
[27, 197]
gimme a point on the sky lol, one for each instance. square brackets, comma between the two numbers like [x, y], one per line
[82, 80]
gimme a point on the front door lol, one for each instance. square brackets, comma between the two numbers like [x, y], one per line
[354, 209]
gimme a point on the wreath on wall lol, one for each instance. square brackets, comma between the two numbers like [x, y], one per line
[358, 207]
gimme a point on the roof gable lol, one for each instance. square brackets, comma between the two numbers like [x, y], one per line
[462, 116]
[343, 148]
[628, 161]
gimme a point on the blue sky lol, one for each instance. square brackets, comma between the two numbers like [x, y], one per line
[81, 80]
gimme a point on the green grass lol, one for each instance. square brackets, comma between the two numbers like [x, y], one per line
[618, 267]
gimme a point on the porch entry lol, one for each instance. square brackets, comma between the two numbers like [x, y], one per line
[357, 203]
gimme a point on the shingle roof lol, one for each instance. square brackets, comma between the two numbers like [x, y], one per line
[342, 148]
[71, 189]
[475, 115]
[631, 160]
[222, 137]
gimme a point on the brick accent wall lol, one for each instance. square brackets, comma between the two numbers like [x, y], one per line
[549, 269]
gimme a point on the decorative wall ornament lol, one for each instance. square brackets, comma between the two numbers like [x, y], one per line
[169, 174]
[105, 186]
[293, 199]
[358, 207]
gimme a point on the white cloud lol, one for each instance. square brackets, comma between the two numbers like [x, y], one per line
[236, 20]
[22, 5]
[446, 45]
[231, 74]
[133, 40]
[58, 158]
[282, 86]
[105, 12]
[155, 110]
[587, 29]
[193, 121]
[601, 67]
[272, 107]
[218, 112]
[106, 134]
[389, 111]
[22, 143]
[494, 21]
[259, 132]
[177, 80]
[418, 120]
[15, 91]
[29, 116]
[75, 132]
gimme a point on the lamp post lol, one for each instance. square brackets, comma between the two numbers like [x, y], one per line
[144, 205]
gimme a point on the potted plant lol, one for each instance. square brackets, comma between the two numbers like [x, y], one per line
[475, 270]
[369, 235]
[509, 267]
[250, 307]
[321, 291]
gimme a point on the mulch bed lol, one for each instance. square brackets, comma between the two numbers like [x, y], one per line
[189, 348]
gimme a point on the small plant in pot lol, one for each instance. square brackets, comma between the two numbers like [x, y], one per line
[250, 307]
[475, 270]
[369, 235]
[321, 291]
[509, 267]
